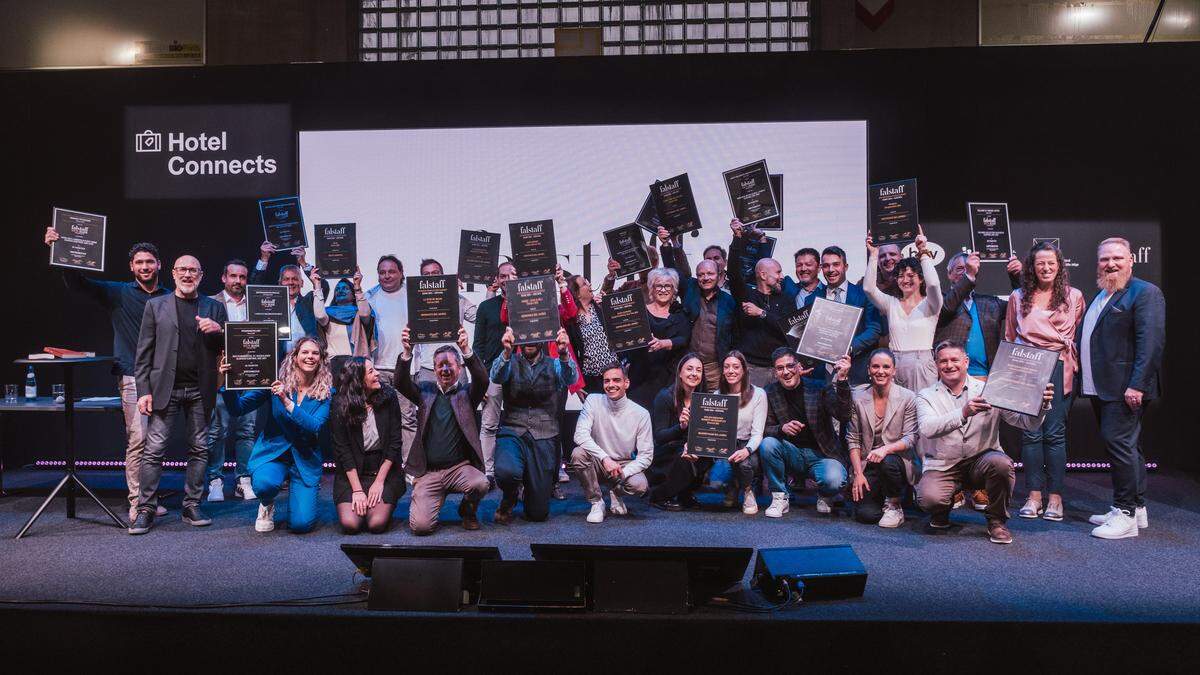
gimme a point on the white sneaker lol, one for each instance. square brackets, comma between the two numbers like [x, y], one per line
[216, 490]
[617, 508]
[779, 505]
[596, 515]
[823, 505]
[244, 489]
[1118, 526]
[266, 518]
[1139, 514]
[893, 516]
[749, 503]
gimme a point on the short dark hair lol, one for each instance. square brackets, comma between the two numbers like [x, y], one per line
[711, 247]
[781, 352]
[949, 344]
[834, 250]
[392, 258]
[807, 251]
[234, 261]
[430, 261]
[144, 247]
[884, 351]
[449, 348]
[618, 366]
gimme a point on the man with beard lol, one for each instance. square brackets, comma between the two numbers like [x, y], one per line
[233, 296]
[716, 255]
[838, 288]
[711, 311]
[808, 263]
[764, 306]
[389, 302]
[1121, 343]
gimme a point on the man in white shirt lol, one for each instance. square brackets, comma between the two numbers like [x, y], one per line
[389, 299]
[615, 446]
[423, 351]
[233, 296]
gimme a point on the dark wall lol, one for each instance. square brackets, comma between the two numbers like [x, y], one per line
[1080, 134]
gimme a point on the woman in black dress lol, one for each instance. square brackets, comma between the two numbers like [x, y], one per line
[650, 369]
[367, 444]
[669, 419]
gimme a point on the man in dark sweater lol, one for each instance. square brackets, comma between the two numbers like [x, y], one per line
[764, 306]
[488, 331]
[125, 302]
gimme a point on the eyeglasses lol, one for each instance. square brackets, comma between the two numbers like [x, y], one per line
[786, 366]
[663, 287]
[194, 271]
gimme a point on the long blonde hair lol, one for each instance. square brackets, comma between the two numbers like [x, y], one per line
[322, 384]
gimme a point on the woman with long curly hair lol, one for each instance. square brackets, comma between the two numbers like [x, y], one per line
[1044, 312]
[288, 446]
[367, 444]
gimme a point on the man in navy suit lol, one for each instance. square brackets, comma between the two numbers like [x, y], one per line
[837, 287]
[1120, 348]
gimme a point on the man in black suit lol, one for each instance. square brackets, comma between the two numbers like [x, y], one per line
[1121, 344]
[175, 369]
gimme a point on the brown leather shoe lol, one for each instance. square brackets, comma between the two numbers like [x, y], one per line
[980, 499]
[998, 533]
[466, 511]
[503, 515]
[958, 500]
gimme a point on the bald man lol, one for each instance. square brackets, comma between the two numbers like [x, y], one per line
[711, 310]
[764, 306]
[175, 369]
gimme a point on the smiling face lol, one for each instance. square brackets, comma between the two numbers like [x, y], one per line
[505, 273]
[833, 267]
[1114, 266]
[343, 293]
[390, 275]
[144, 267]
[187, 273]
[447, 368]
[881, 370]
[290, 278]
[615, 384]
[889, 255]
[787, 371]
[952, 366]
[691, 373]
[956, 268]
[733, 372]
[308, 357]
[714, 256]
[1045, 266]
[663, 291]
[370, 376]
[908, 281]
[806, 269]
[769, 273]
[706, 275]
[583, 289]
[234, 278]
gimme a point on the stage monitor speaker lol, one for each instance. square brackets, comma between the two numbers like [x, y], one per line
[640, 586]
[417, 585]
[364, 555]
[533, 585]
[826, 572]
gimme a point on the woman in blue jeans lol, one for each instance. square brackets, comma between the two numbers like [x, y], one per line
[288, 446]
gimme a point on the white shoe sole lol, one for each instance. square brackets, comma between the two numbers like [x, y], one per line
[889, 526]
[1128, 534]
[264, 527]
[768, 513]
[1140, 516]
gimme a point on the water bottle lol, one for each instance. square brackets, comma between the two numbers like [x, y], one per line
[30, 384]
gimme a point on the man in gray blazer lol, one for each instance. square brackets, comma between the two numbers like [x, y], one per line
[175, 369]
[882, 437]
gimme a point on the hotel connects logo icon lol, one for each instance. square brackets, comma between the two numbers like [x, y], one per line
[147, 141]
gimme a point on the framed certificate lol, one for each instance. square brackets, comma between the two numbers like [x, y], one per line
[675, 204]
[252, 349]
[533, 252]
[752, 252]
[270, 303]
[433, 308]
[532, 309]
[627, 246]
[751, 193]
[793, 326]
[625, 320]
[1018, 376]
[283, 223]
[478, 256]
[990, 236]
[893, 211]
[828, 330]
[712, 427]
[80, 242]
[647, 217]
[337, 249]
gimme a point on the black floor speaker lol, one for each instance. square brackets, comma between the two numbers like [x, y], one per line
[827, 572]
[640, 586]
[527, 585]
[416, 584]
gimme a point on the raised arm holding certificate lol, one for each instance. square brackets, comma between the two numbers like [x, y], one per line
[251, 348]
[270, 303]
[751, 193]
[532, 309]
[627, 246]
[647, 218]
[893, 211]
[80, 242]
[1018, 377]
[990, 235]
[432, 308]
[775, 222]
[754, 250]
[283, 223]
[712, 426]
[625, 320]
[533, 250]
[478, 256]
[829, 330]
[337, 249]
[675, 204]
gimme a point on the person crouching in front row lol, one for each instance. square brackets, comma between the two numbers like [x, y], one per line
[882, 438]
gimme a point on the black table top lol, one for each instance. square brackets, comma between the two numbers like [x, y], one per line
[47, 404]
[64, 362]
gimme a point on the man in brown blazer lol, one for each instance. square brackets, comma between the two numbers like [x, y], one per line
[882, 437]
[446, 455]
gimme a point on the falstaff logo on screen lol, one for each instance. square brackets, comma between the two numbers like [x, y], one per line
[216, 142]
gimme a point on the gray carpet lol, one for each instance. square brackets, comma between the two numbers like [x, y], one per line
[1053, 571]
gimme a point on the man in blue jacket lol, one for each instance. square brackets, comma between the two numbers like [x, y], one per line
[837, 287]
[711, 311]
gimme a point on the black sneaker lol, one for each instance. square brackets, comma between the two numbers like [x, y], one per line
[142, 523]
[940, 521]
[689, 501]
[671, 504]
[192, 515]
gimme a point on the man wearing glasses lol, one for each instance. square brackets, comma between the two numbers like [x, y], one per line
[175, 369]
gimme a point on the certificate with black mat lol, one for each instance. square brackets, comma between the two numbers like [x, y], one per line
[433, 308]
[532, 309]
[712, 425]
[1018, 377]
[829, 330]
[625, 320]
[251, 348]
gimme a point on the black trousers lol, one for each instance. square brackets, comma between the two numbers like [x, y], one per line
[1121, 431]
[683, 476]
[886, 480]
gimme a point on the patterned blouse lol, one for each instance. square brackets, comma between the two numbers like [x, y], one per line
[597, 355]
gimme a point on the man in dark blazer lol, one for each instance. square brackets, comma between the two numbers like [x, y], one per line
[488, 331]
[837, 287]
[292, 276]
[446, 455]
[1121, 343]
[962, 305]
[175, 369]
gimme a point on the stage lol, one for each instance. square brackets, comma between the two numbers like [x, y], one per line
[1054, 586]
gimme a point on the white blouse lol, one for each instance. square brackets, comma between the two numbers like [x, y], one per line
[914, 331]
[752, 419]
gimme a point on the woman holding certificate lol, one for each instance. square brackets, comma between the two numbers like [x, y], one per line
[588, 339]
[347, 325]
[911, 318]
[288, 445]
[751, 420]
[650, 369]
[673, 471]
[1044, 312]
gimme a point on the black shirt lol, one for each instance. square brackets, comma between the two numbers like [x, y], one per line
[445, 444]
[125, 302]
[795, 400]
[187, 356]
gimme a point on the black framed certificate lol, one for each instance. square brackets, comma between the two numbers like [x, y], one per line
[337, 249]
[829, 330]
[775, 222]
[252, 349]
[478, 256]
[270, 303]
[532, 309]
[990, 236]
[1018, 376]
[751, 193]
[433, 308]
[533, 251]
[712, 425]
[647, 218]
[283, 223]
[675, 204]
[893, 211]
[625, 320]
[80, 241]
[752, 252]
[627, 246]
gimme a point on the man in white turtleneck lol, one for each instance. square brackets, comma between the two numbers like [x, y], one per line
[615, 446]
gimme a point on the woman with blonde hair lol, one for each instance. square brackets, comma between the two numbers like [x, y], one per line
[650, 368]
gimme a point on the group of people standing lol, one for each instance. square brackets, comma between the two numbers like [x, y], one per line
[901, 413]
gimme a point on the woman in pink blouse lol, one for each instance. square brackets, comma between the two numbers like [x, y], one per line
[1043, 313]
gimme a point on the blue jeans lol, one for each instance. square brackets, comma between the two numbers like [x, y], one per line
[781, 458]
[1044, 451]
[219, 428]
[302, 499]
[525, 461]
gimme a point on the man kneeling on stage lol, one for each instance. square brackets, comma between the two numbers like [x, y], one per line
[959, 440]
[615, 445]
[445, 456]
